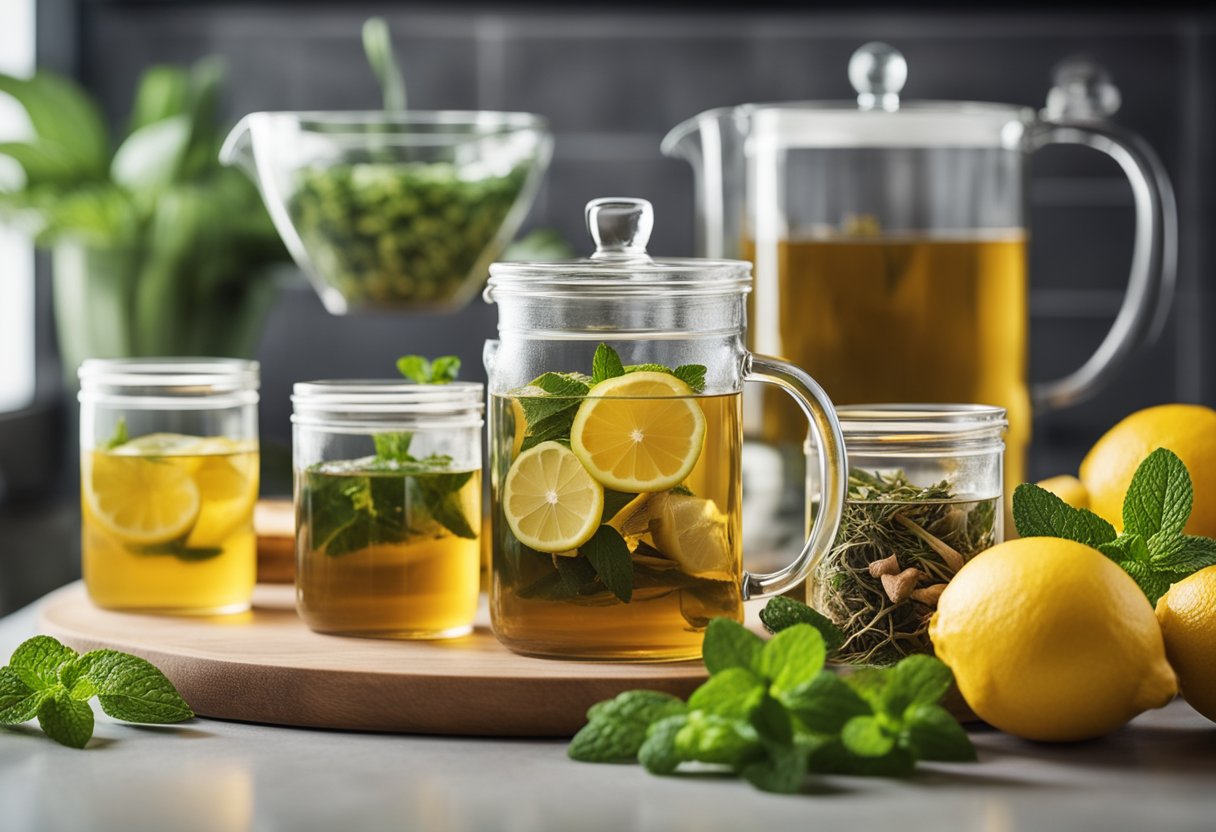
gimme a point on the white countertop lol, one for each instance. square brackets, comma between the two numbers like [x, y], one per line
[1157, 774]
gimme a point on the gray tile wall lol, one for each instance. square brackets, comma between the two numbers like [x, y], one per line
[612, 83]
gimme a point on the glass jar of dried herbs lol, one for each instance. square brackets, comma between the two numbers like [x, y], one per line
[924, 497]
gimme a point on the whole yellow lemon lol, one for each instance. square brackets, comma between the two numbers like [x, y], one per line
[1188, 621]
[1050, 640]
[1189, 430]
[1069, 489]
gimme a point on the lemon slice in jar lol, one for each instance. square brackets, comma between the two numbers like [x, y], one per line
[693, 532]
[140, 500]
[639, 432]
[550, 501]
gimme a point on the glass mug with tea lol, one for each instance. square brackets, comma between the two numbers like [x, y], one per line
[889, 241]
[616, 431]
[168, 482]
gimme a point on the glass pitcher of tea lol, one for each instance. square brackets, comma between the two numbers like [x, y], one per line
[616, 431]
[889, 240]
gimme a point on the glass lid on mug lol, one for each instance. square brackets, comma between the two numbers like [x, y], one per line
[878, 117]
[620, 228]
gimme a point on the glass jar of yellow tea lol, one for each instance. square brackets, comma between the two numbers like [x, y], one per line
[388, 507]
[169, 478]
[924, 497]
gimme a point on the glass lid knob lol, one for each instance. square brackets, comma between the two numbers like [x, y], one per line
[620, 227]
[878, 72]
[1082, 91]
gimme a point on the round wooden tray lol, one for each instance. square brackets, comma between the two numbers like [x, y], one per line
[267, 666]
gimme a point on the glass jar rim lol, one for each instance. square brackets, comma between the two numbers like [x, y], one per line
[874, 427]
[608, 278]
[407, 404]
[219, 374]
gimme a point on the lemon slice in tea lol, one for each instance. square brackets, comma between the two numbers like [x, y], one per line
[692, 532]
[550, 501]
[140, 500]
[639, 432]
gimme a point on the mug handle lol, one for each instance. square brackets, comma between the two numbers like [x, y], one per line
[833, 470]
[1076, 113]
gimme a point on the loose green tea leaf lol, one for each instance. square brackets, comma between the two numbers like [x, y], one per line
[899, 544]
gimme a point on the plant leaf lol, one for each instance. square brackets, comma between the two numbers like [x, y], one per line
[691, 374]
[66, 720]
[618, 727]
[791, 658]
[1148, 579]
[733, 693]
[62, 113]
[915, 680]
[781, 771]
[1039, 513]
[163, 92]
[150, 159]
[18, 701]
[781, 612]
[707, 738]
[132, 689]
[606, 364]
[415, 367]
[933, 734]
[614, 501]
[826, 703]
[378, 47]
[1159, 498]
[865, 737]
[729, 644]
[37, 661]
[1184, 554]
[444, 369]
[608, 552]
[658, 753]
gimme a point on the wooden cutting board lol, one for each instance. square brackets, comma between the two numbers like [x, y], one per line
[266, 666]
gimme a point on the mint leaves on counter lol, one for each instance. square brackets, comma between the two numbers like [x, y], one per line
[772, 714]
[1152, 548]
[53, 683]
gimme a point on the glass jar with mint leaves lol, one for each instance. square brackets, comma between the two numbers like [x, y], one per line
[924, 497]
[615, 448]
[388, 506]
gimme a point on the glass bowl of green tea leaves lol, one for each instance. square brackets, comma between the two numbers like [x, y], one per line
[394, 210]
[924, 497]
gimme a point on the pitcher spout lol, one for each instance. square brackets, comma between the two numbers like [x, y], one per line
[713, 143]
[237, 150]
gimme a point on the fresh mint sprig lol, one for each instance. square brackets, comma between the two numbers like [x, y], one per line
[50, 681]
[443, 370]
[1152, 548]
[772, 714]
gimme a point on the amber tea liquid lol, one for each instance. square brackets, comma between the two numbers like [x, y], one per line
[899, 319]
[208, 565]
[535, 614]
[383, 564]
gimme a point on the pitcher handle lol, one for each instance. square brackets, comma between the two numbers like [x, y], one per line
[1150, 286]
[833, 470]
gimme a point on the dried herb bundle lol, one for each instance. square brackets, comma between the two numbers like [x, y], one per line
[899, 545]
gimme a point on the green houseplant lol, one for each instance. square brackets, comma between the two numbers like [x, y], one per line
[156, 248]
